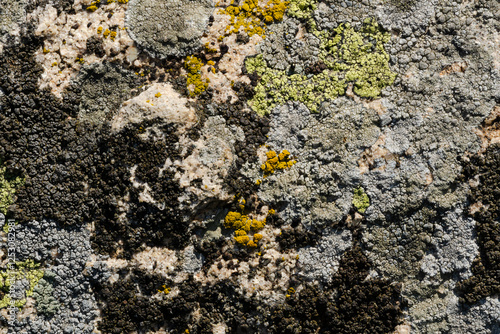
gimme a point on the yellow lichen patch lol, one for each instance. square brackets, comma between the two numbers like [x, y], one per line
[209, 49]
[106, 33]
[252, 18]
[242, 224]
[165, 290]
[99, 30]
[112, 35]
[195, 84]
[157, 94]
[276, 161]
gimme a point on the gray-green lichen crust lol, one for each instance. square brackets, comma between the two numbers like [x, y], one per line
[168, 27]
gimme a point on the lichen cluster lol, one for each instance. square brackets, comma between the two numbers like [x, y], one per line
[360, 200]
[276, 162]
[8, 185]
[244, 224]
[349, 56]
[195, 84]
[252, 18]
[26, 270]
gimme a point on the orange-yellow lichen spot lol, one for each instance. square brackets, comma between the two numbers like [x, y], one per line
[257, 237]
[270, 154]
[158, 94]
[240, 233]
[231, 218]
[252, 244]
[243, 240]
[257, 225]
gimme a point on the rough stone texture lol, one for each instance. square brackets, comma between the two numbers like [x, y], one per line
[168, 27]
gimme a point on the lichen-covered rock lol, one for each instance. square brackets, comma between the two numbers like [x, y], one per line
[166, 173]
[168, 27]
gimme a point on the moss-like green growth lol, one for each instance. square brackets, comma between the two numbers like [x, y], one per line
[27, 270]
[44, 296]
[360, 200]
[195, 84]
[8, 185]
[349, 55]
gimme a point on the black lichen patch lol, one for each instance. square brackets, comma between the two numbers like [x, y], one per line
[485, 170]
[350, 304]
[77, 172]
[123, 309]
[42, 139]
[157, 222]
[294, 238]
[95, 46]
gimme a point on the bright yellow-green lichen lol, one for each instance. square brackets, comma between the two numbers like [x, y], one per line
[360, 200]
[195, 84]
[276, 161]
[243, 224]
[350, 56]
[8, 186]
[27, 270]
[112, 35]
[252, 17]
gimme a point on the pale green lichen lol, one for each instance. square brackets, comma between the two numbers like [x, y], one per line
[303, 9]
[8, 186]
[276, 87]
[26, 270]
[352, 56]
[360, 200]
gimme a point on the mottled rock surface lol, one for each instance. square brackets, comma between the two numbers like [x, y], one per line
[268, 166]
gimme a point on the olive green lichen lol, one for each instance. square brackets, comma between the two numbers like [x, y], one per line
[44, 296]
[349, 55]
[26, 270]
[8, 186]
[360, 200]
